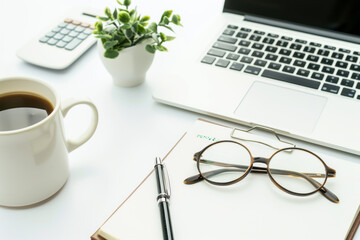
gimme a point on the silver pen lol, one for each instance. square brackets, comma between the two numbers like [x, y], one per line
[163, 186]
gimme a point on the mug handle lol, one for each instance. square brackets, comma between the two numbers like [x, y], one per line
[66, 105]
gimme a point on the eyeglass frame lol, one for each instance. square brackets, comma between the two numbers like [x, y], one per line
[330, 172]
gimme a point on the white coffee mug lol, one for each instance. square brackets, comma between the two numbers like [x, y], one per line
[34, 160]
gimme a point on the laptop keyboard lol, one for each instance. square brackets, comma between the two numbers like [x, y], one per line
[308, 64]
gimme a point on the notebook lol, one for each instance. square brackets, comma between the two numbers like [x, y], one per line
[251, 209]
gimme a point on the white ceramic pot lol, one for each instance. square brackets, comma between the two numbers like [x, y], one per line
[130, 67]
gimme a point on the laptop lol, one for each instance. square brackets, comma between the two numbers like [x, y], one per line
[291, 66]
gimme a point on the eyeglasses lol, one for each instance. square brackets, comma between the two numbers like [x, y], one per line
[292, 169]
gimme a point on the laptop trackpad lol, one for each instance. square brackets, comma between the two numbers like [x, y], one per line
[282, 108]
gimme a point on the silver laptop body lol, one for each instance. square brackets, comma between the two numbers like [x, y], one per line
[300, 80]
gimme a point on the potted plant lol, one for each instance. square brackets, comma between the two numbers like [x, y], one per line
[127, 42]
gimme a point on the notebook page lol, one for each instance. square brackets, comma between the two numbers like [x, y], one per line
[251, 209]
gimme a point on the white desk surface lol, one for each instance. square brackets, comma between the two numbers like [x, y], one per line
[132, 130]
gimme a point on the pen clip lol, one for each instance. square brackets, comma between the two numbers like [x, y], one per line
[166, 181]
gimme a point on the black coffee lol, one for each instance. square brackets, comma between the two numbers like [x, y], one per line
[22, 109]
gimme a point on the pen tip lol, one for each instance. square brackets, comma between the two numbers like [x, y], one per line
[157, 160]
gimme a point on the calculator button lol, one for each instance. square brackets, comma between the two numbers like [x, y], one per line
[57, 29]
[61, 44]
[52, 41]
[50, 34]
[70, 26]
[73, 34]
[62, 25]
[67, 39]
[73, 44]
[82, 36]
[75, 22]
[68, 20]
[85, 25]
[87, 31]
[44, 39]
[65, 31]
[58, 36]
[79, 29]
[208, 60]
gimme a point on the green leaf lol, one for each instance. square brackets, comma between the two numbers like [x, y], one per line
[167, 14]
[169, 38]
[103, 18]
[119, 2]
[127, 3]
[124, 17]
[134, 27]
[161, 48]
[153, 27]
[155, 37]
[145, 19]
[98, 26]
[126, 26]
[166, 20]
[162, 37]
[110, 44]
[115, 13]
[108, 13]
[132, 12]
[165, 26]
[104, 36]
[176, 19]
[150, 48]
[129, 33]
[109, 53]
[141, 29]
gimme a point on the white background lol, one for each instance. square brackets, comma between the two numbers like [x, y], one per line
[132, 130]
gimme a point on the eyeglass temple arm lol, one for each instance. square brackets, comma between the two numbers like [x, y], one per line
[324, 191]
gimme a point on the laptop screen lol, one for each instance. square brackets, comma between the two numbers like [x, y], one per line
[342, 16]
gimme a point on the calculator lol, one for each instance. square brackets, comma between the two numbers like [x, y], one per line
[63, 42]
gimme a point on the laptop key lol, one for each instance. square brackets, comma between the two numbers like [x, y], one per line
[275, 66]
[342, 73]
[315, 44]
[232, 26]
[347, 82]
[312, 58]
[299, 63]
[286, 38]
[216, 53]
[351, 58]
[271, 57]
[328, 70]
[259, 32]
[313, 66]
[356, 53]
[255, 38]
[332, 79]
[246, 59]
[355, 76]
[244, 51]
[303, 72]
[271, 49]
[344, 50]
[236, 66]
[224, 46]
[330, 47]
[299, 55]
[337, 55]
[309, 49]
[288, 69]
[228, 32]
[295, 46]
[358, 87]
[232, 56]
[252, 70]
[260, 63]
[257, 54]
[355, 67]
[323, 52]
[208, 60]
[327, 61]
[285, 60]
[227, 39]
[291, 79]
[244, 43]
[257, 46]
[273, 35]
[245, 29]
[268, 40]
[317, 76]
[284, 52]
[222, 63]
[241, 35]
[301, 41]
[341, 64]
[282, 43]
[330, 88]
[347, 92]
